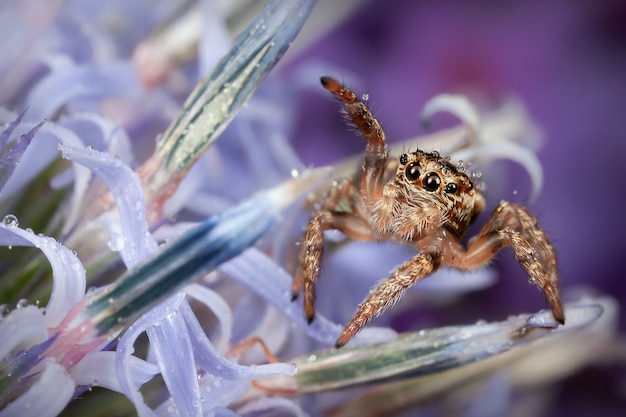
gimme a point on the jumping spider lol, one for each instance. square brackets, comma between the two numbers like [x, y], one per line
[429, 204]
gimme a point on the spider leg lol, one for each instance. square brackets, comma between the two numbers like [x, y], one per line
[512, 225]
[312, 247]
[370, 128]
[342, 211]
[388, 292]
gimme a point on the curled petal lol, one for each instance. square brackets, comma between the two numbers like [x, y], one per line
[41, 401]
[98, 369]
[68, 285]
[461, 107]
[100, 133]
[134, 242]
[219, 307]
[214, 363]
[511, 151]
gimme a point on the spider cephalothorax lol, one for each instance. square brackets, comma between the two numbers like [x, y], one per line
[429, 204]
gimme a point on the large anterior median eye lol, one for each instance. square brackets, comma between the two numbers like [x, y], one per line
[432, 182]
[413, 171]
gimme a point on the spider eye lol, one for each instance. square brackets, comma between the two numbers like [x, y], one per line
[450, 188]
[404, 158]
[432, 182]
[413, 171]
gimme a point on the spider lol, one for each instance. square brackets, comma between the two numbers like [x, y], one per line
[428, 203]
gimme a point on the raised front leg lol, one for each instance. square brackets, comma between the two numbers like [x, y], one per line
[371, 130]
[388, 292]
[511, 225]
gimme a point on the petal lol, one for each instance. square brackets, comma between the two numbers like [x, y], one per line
[511, 151]
[22, 327]
[98, 369]
[100, 133]
[219, 307]
[68, 285]
[461, 107]
[171, 344]
[130, 383]
[196, 253]
[47, 396]
[263, 276]
[135, 241]
[220, 367]
[92, 82]
[10, 160]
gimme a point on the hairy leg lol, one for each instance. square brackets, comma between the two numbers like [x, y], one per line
[388, 292]
[512, 225]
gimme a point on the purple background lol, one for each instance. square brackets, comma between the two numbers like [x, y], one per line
[566, 60]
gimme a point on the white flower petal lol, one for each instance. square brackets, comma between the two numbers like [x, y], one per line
[172, 349]
[219, 307]
[23, 327]
[129, 382]
[68, 285]
[105, 79]
[101, 133]
[511, 151]
[98, 369]
[47, 396]
[137, 242]
[263, 276]
[461, 107]
[217, 365]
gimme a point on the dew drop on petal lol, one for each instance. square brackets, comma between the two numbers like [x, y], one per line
[4, 311]
[21, 303]
[116, 242]
[10, 221]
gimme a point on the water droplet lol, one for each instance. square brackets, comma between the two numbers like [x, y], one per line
[311, 358]
[116, 242]
[365, 97]
[460, 166]
[295, 173]
[514, 192]
[23, 302]
[10, 221]
[532, 280]
[4, 311]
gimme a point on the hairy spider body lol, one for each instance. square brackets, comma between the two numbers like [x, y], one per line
[428, 203]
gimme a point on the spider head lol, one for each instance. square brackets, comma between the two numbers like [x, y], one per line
[432, 184]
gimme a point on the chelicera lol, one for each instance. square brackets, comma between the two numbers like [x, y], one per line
[428, 203]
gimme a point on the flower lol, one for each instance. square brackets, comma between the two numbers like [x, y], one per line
[181, 291]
